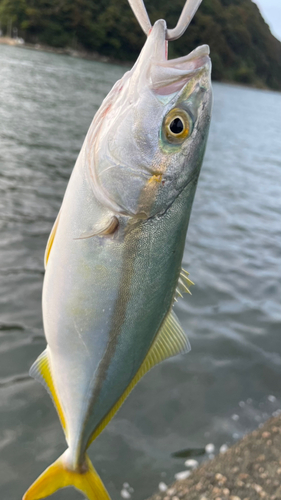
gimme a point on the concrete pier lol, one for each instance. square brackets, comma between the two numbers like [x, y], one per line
[249, 470]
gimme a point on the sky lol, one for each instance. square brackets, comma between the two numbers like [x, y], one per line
[271, 12]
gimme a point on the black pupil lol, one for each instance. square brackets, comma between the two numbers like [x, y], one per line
[176, 126]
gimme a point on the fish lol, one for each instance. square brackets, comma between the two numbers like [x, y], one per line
[113, 258]
[189, 452]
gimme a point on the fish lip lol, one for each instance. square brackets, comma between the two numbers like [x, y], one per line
[192, 63]
[167, 76]
[200, 52]
[175, 73]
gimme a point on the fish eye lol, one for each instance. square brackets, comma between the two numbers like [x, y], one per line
[177, 125]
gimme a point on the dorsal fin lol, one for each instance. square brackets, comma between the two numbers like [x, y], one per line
[183, 284]
[169, 341]
[41, 371]
[51, 240]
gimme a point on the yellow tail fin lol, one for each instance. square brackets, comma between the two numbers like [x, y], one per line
[58, 476]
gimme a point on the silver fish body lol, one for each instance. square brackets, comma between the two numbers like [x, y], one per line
[114, 258]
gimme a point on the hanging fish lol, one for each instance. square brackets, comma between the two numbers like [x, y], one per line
[113, 259]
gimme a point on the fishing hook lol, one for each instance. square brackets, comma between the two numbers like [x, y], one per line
[186, 16]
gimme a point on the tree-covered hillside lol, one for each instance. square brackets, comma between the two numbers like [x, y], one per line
[242, 47]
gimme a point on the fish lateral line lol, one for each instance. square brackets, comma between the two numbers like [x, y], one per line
[170, 341]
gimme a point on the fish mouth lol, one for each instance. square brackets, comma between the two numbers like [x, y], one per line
[171, 75]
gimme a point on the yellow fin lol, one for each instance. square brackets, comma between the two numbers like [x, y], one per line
[51, 240]
[58, 476]
[41, 371]
[183, 284]
[184, 277]
[170, 341]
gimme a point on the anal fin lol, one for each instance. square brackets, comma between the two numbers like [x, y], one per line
[169, 341]
[41, 371]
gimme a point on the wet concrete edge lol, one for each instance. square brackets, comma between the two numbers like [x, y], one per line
[249, 470]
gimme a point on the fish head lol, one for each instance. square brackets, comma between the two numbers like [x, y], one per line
[147, 141]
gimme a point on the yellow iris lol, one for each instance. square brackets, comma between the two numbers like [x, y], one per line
[177, 125]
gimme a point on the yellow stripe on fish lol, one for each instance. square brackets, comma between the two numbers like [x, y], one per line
[170, 340]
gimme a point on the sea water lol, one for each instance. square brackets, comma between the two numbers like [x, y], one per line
[230, 382]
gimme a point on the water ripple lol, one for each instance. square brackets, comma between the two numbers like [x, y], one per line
[232, 251]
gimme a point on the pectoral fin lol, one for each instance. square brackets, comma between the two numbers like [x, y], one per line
[41, 371]
[107, 228]
[170, 341]
[51, 240]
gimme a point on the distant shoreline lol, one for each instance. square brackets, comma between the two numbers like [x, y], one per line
[67, 51]
[95, 56]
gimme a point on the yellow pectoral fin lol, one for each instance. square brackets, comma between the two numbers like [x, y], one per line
[51, 240]
[41, 371]
[58, 476]
[170, 341]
